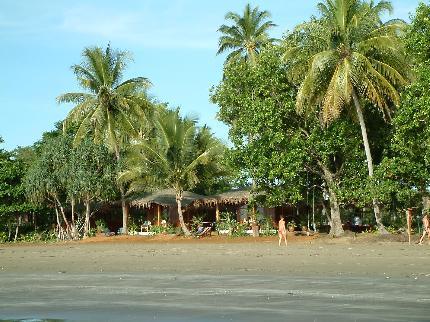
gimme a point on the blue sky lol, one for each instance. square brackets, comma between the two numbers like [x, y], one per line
[173, 43]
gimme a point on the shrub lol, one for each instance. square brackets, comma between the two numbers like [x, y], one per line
[3, 237]
[266, 227]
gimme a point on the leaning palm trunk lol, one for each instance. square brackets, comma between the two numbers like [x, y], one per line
[376, 209]
[336, 228]
[180, 215]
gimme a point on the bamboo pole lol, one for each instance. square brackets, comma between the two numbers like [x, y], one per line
[158, 215]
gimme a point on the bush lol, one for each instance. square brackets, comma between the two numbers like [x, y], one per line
[196, 222]
[266, 227]
[239, 230]
[38, 236]
[227, 222]
[101, 225]
[3, 237]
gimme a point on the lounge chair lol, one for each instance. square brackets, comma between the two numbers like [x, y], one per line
[206, 231]
[108, 233]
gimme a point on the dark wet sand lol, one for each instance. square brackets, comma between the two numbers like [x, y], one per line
[217, 280]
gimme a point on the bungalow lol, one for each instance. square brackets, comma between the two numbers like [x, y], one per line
[162, 205]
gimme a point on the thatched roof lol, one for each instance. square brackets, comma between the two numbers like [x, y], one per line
[232, 197]
[165, 198]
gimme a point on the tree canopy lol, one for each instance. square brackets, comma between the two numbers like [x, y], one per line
[177, 157]
[247, 35]
[346, 55]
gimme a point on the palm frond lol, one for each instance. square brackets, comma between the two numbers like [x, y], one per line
[77, 98]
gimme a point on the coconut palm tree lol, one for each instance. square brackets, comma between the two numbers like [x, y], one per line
[246, 36]
[346, 58]
[110, 110]
[174, 158]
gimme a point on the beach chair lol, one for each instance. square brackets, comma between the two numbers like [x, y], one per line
[108, 233]
[206, 231]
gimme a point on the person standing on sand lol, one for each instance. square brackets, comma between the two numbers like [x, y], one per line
[426, 228]
[282, 231]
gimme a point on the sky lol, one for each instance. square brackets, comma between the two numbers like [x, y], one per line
[173, 43]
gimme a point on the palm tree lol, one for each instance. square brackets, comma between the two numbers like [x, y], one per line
[110, 110]
[246, 36]
[174, 158]
[349, 56]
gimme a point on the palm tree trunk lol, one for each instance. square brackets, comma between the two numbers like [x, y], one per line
[181, 217]
[426, 203]
[125, 211]
[73, 223]
[18, 223]
[124, 204]
[87, 217]
[252, 57]
[376, 209]
[336, 229]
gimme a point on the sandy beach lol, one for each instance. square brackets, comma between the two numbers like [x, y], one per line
[130, 278]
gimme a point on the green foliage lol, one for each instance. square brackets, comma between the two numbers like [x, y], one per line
[214, 177]
[346, 55]
[277, 147]
[196, 222]
[110, 109]
[133, 227]
[230, 224]
[62, 172]
[405, 171]
[292, 224]
[168, 229]
[418, 36]
[175, 157]
[346, 51]
[227, 222]
[239, 230]
[38, 236]
[13, 202]
[256, 102]
[266, 226]
[247, 35]
[101, 225]
[3, 237]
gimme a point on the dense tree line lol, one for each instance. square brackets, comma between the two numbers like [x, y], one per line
[114, 142]
[299, 109]
[341, 103]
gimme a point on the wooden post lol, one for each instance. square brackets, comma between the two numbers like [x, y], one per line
[217, 216]
[158, 215]
[409, 222]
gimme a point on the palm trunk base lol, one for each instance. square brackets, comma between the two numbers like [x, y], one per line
[181, 217]
[381, 228]
[336, 229]
[125, 212]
